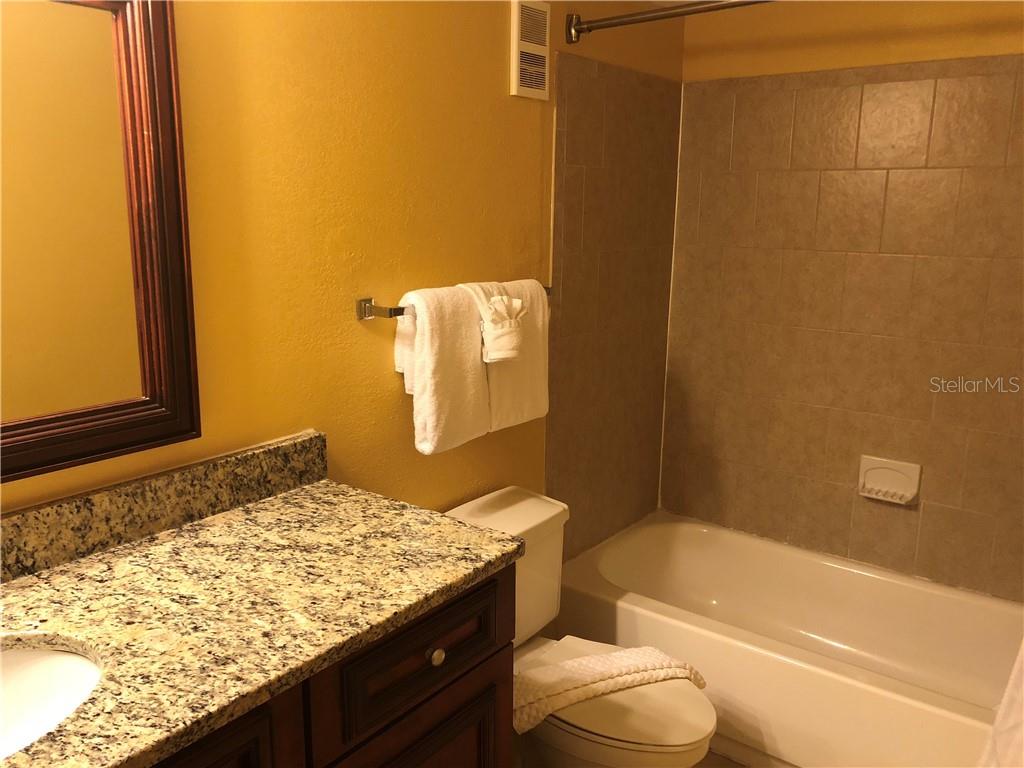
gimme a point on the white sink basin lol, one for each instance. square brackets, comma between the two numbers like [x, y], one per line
[39, 687]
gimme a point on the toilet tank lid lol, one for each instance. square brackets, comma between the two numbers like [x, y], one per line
[512, 510]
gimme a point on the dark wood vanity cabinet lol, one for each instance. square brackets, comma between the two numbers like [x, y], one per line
[246, 743]
[434, 693]
[466, 725]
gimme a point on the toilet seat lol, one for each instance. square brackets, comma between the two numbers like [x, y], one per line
[669, 723]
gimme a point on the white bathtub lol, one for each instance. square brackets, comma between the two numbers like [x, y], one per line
[810, 659]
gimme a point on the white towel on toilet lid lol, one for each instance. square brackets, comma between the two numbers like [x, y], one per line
[437, 349]
[542, 690]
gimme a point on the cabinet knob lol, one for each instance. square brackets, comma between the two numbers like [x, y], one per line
[437, 657]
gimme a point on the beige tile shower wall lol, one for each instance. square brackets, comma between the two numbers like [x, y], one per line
[843, 238]
[615, 169]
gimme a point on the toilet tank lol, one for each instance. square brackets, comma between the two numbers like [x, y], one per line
[540, 521]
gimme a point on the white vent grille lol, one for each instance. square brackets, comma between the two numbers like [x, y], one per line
[530, 60]
[532, 70]
[533, 25]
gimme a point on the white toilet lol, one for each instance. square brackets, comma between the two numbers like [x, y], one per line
[664, 725]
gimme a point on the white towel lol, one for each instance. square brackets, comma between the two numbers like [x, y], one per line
[542, 690]
[519, 387]
[500, 320]
[1006, 741]
[438, 351]
[405, 344]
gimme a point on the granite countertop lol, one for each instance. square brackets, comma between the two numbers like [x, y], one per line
[197, 625]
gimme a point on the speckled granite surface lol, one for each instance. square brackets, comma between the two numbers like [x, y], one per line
[200, 624]
[59, 532]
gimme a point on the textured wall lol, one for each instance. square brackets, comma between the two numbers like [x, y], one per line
[615, 161]
[824, 34]
[654, 49]
[843, 237]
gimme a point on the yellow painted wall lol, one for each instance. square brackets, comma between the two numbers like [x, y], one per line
[67, 304]
[339, 150]
[653, 48]
[806, 35]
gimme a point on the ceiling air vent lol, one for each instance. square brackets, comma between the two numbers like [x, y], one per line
[530, 60]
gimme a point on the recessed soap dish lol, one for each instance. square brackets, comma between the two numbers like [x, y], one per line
[897, 482]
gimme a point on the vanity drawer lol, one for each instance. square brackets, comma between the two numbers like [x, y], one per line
[467, 725]
[351, 700]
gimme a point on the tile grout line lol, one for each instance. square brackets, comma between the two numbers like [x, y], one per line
[792, 130]
[671, 290]
[732, 129]
[931, 124]
[1015, 111]
[885, 208]
[963, 463]
[860, 117]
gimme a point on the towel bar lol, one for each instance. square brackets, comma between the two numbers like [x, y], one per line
[367, 310]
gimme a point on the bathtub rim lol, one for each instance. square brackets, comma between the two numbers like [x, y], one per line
[881, 573]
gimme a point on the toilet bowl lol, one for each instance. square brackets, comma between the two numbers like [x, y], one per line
[668, 724]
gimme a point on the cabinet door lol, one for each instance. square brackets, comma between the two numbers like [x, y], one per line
[271, 736]
[468, 724]
[244, 744]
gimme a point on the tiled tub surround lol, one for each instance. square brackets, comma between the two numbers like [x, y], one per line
[843, 237]
[58, 532]
[615, 166]
[198, 625]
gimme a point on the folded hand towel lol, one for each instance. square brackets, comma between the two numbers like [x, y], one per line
[542, 690]
[438, 350]
[500, 320]
[519, 387]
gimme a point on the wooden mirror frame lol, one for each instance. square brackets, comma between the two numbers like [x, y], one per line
[168, 410]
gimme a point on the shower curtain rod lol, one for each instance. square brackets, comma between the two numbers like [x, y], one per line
[575, 27]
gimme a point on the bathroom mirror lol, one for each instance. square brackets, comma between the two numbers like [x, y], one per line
[96, 328]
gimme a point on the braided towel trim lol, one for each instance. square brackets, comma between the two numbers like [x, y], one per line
[539, 692]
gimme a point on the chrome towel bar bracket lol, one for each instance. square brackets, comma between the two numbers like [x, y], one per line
[367, 310]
